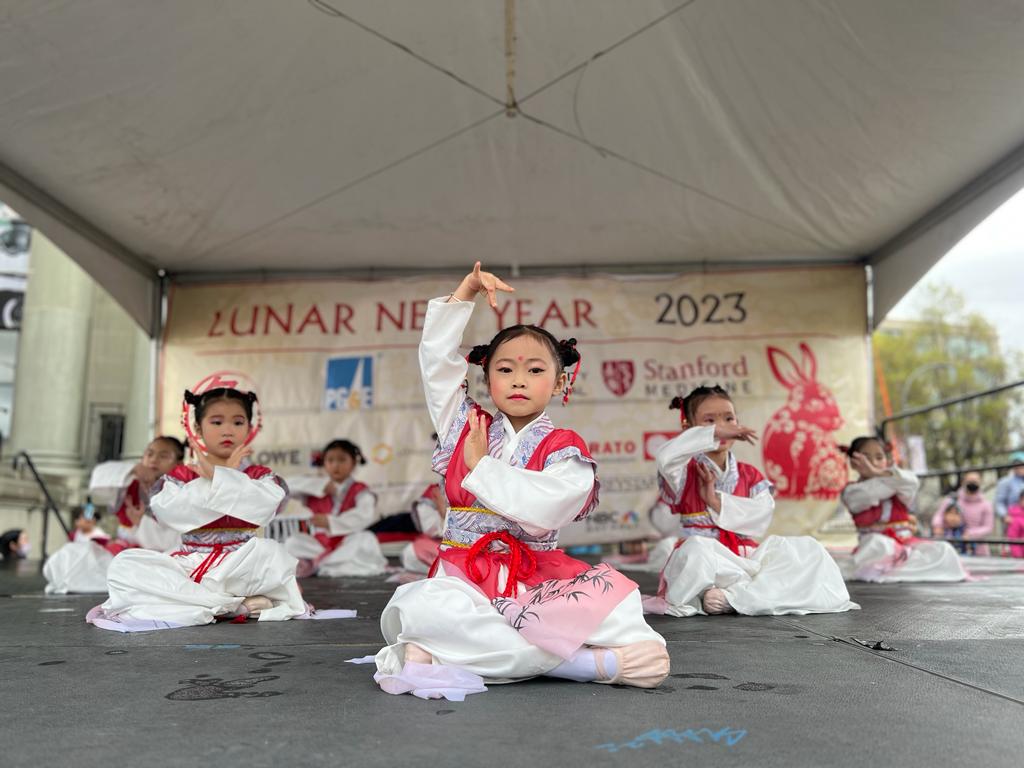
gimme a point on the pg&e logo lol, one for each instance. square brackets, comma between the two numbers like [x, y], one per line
[349, 385]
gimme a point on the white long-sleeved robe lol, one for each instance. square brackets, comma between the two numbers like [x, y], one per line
[449, 618]
[880, 558]
[782, 575]
[360, 553]
[150, 585]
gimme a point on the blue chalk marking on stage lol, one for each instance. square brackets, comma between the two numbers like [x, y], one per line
[207, 647]
[728, 737]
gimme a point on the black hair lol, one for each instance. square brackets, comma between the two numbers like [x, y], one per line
[215, 395]
[562, 352]
[177, 445]
[859, 442]
[79, 510]
[689, 404]
[348, 447]
[6, 540]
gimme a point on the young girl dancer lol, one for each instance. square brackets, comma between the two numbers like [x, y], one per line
[718, 566]
[125, 488]
[504, 603]
[217, 504]
[81, 565]
[343, 509]
[879, 501]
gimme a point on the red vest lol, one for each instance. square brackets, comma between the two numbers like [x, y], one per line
[875, 518]
[131, 495]
[696, 518]
[323, 505]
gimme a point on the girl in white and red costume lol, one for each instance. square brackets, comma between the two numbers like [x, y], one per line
[217, 505]
[724, 506]
[81, 565]
[343, 509]
[879, 502]
[503, 603]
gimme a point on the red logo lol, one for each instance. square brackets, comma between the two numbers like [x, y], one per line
[618, 376]
[228, 379]
[654, 440]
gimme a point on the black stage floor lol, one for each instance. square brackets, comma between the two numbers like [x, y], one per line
[744, 691]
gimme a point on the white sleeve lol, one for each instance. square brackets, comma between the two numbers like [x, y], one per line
[539, 501]
[107, 479]
[186, 506]
[750, 517]
[359, 518]
[674, 455]
[428, 519]
[156, 536]
[868, 493]
[662, 519]
[307, 485]
[442, 366]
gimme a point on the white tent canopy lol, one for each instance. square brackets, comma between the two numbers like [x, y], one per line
[333, 136]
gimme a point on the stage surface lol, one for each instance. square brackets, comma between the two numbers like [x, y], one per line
[744, 691]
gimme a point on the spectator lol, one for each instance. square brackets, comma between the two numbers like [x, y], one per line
[1008, 489]
[975, 509]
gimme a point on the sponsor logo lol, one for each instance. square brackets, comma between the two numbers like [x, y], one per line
[382, 453]
[654, 440]
[612, 447]
[618, 376]
[349, 385]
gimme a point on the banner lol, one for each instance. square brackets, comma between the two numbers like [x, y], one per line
[337, 358]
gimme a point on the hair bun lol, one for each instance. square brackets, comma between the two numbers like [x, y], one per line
[478, 355]
[676, 404]
[192, 399]
[567, 351]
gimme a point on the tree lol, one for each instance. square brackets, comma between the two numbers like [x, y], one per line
[945, 352]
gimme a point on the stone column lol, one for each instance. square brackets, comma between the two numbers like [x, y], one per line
[50, 372]
[139, 411]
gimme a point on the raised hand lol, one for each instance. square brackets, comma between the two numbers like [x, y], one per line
[475, 446]
[145, 475]
[321, 521]
[237, 455]
[479, 281]
[201, 464]
[735, 432]
[862, 466]
[708, 492]
[135, 512]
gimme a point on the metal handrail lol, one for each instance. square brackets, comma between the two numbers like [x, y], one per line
[49, 506]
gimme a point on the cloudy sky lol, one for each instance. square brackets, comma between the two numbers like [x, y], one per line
[987, 267]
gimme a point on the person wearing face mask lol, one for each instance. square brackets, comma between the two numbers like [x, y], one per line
[975, 509]
[14, 545]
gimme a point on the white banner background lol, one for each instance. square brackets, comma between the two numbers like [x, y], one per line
[336, 358]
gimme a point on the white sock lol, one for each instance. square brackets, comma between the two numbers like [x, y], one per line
[582, 667]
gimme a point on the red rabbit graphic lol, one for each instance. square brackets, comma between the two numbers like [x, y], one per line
[799, 450]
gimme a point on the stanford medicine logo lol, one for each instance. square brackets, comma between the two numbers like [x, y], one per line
[349, 384]
[618, 376]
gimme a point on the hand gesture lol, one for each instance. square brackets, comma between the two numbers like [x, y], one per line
[475, 446]
[145, 475]
[330, 489]
[241, 452]
[201, 464]
[135, 512]
[735, 432]
[708, 492]
[862, 466]
[321, 521]
[478, 281]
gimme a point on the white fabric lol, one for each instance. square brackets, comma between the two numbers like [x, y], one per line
[445, 616]
[308, 485]
[359, 518]
[428, 681]
[876, 560]
[410, 562]
[151, 534]
[358, 555]
[458, 626]
[866, 494]
[79, 567]
[232, 493]
[740, 514]
[429, 521]
[146, 585]
[785, 574]
[107, 479]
